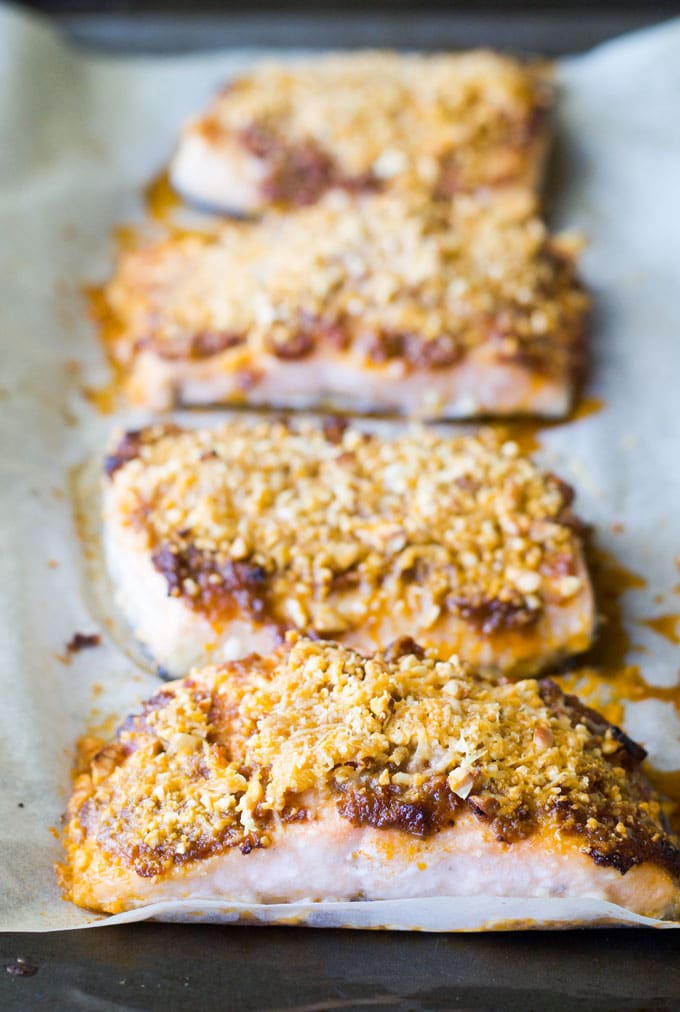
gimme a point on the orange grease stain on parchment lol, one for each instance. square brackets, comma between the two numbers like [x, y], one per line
[667, 626]
[90, 743]
[168, 213]
[109, 397]
[161, 200]
[668, 786]
[526, 432]
[611, 581]
[604, 676]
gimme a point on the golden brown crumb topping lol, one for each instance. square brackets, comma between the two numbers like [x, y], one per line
[325, 530]
[448, 122]
[384, 281]
[400, 740]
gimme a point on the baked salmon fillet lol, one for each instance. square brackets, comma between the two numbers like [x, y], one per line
[219, 540]
[450, 309]
[286, 133]
[318, 774]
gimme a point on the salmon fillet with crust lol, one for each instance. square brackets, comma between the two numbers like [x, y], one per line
[384, 304]
[319, 774]
[284, 134]
[219, 540]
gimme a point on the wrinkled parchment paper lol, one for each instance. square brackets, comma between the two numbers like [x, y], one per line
[80, 136]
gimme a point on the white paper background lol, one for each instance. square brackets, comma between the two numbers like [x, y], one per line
[80, 136]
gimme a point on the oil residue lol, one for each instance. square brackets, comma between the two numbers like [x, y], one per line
[611, 581]
[668, 785]
[88, 745]
[667, 626]
[526, 432]
[609, 691]
[161, 200]
[127, 237]
[108, 397]
[169, 214]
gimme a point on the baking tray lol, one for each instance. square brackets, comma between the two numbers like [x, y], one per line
[161, 966]
[542, 26]
[170, 968]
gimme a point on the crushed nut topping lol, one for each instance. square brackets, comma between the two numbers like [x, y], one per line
[382, 282]
[330, 533]
[444, 122]
[411, 743]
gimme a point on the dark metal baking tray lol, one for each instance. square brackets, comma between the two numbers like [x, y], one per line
[169, 968]
[163, 26]
[176, 967]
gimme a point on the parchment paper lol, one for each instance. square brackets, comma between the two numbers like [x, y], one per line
[80, 137]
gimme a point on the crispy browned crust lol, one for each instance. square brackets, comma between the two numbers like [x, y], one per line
[210, 762]
[606, 844]
[225, 588]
